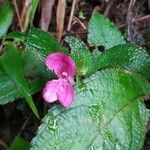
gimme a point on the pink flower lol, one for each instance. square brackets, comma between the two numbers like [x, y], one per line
[62, 65]
[61, 89]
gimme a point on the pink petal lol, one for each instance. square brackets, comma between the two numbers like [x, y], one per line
[62, 65]
[66, 94]
[50, 90]
[60, 90]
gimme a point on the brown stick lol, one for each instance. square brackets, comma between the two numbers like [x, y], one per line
[71, 14]
[136, 19]
[46, 12]
[17, 12]
[60, 17]
[24, 125]
[80, 22]
[107, 10]
[129, 18]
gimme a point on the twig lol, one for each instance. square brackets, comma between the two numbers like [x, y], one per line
[17, 12]
[46, 13]
[80, 22]
[24, 125]
[141, 18]
[71, 14]
[107, 10]
[129, 18]
[136, 19]
[3, 145]
[60, 17]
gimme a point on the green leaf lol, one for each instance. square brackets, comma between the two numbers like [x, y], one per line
[103, 32]
[39, 45]
[128, 56]
[35, 46]
[42, 43]
[8, 90]
[19, 143]
[6, 17]
[80, 54]
[12, 64]
[108, 113]
[96, 54]
[29, 16]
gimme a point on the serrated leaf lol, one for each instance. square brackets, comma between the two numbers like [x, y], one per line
[107, 114]
[12, 64]
[6, 17]
[80, 54]
[95, 55]
[128, 56]
[103, 32]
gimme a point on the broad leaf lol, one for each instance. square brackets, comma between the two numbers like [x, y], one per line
[128, 56]
[42, 43]
[107, 113]
[35, 46]
[80, 54]
[19, 143]
[6, 16]
[13, 66]
[103, 32]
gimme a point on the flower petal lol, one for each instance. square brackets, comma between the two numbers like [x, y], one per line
[62, 65]
[61, 90]
[50, 91]
[66, 94]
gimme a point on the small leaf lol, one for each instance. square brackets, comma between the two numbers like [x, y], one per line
[80, 54]
[128, 56]
[27, 15]
[6, 17]
[12, 64]
[108, 113]
[19, 143]
[103, 32]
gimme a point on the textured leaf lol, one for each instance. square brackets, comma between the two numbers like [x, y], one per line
[19, 143]
[6, 16]
[107, 113]
[8, 90]
[12, 64]
[33, 52]
[80, 54]
[127, 56]
[103, 32]
[96, 54]
[42, 43]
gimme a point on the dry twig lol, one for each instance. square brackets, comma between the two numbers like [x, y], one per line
[136, 19]
[72, 14]
[60, 17]
[17, 13]
[129, 19]
[107, 11]
[46, 12]
[80, 22]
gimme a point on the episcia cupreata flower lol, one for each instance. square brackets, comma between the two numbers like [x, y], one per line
[62, 88]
